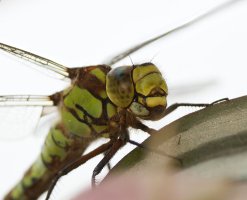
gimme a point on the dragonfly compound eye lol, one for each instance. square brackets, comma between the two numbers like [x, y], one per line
[119, 86]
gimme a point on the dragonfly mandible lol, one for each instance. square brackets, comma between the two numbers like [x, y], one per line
[130, 100]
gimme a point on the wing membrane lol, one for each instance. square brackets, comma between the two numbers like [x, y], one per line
[177, 28]
[45, 63]
[20, 114]
[17, 122]
[26, 100]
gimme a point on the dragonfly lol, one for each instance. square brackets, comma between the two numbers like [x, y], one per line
[153, 94]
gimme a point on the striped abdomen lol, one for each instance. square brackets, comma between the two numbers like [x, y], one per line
[58, 150]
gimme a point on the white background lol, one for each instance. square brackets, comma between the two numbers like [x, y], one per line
[202, 63]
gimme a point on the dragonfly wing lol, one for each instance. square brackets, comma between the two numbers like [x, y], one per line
[20, 114]
[18, 121]
[120, 56]
[61, 71]
[26, 100]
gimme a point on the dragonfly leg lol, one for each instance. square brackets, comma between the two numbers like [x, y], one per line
[135, 123]
[173, 107]
[77, 163]
[139, 125]
[108, 165]
[220, 100]
[114, 148]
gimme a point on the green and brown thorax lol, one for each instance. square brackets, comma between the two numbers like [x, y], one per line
[86, 108]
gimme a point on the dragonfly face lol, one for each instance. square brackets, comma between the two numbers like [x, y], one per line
[140, 88]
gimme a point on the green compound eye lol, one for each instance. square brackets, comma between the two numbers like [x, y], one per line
[119, 86]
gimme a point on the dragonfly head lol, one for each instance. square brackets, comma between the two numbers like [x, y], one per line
[141, 89]
[151, 91]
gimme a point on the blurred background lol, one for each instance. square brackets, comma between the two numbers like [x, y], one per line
[201, 63]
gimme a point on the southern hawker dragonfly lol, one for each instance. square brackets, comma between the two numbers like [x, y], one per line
[206, 47]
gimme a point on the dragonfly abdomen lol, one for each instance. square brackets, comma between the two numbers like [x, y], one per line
[58, 150]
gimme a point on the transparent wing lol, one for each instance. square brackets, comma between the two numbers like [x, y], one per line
[120, 56]
[20, 114]
[43, 63]
[25, 100]
[18, 122]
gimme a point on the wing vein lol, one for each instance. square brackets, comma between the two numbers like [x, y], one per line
[26, 100]
[36, 59]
